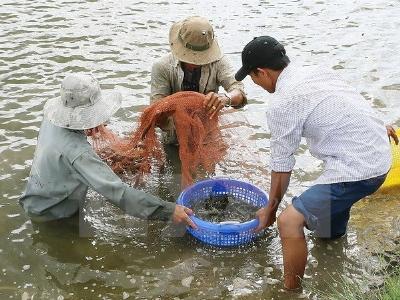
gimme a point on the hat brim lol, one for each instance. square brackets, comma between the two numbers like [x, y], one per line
[190, 56]
[80, 118]
[242, 73]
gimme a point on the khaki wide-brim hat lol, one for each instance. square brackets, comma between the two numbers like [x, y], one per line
[82, 104]
[193, 41]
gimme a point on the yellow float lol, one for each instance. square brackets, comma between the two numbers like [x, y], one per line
[393, 178]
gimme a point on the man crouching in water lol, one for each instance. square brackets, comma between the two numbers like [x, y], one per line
[65, 164]
[340, 129]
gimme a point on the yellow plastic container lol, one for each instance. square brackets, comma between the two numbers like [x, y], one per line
[393, 178]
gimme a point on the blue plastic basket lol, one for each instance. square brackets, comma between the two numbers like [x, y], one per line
[225, 233]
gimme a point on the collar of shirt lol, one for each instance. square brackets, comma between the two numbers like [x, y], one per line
[206, 71]
[280, 82]
[177, 62]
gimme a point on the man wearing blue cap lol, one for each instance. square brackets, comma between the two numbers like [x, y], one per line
[341, 130]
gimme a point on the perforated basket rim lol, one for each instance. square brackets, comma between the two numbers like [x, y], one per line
[220, 227]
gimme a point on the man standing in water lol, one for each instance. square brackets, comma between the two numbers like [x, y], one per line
[341, 130]
[65, 164]
[195, 64]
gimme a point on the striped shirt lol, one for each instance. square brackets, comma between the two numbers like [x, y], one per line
[340, 127]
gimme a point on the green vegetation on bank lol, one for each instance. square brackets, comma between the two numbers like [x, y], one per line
[391, 289]
[346, 289]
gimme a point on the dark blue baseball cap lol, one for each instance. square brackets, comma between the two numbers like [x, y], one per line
[262, 52]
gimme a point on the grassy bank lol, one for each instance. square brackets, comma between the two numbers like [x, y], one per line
[343, 289]
[346, 290]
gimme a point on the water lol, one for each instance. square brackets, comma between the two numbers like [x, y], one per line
[223, 208]
[118, 40]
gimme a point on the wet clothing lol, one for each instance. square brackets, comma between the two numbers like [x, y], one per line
[326, 207]
[340, 127]
[167, 78]
[63, 168]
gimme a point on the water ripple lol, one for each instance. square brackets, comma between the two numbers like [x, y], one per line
[118, 41]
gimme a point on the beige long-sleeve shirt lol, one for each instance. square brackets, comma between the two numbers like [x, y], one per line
[167, 77]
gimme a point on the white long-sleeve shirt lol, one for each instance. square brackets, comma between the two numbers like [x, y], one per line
[340, 127]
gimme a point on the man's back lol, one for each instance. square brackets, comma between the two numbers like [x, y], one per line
[340, 127]
[52, 175]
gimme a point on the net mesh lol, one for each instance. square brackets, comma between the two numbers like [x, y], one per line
[201, 144]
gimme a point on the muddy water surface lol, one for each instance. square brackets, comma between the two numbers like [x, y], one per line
[118, 257]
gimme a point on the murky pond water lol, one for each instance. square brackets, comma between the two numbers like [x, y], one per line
[118, 257]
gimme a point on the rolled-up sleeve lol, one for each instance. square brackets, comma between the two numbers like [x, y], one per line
[286, 127]
[98, 175]
[226, 77]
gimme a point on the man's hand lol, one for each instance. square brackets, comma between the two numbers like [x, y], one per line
[392, 134]
[214, 102]
[181, 215]
[266, 217]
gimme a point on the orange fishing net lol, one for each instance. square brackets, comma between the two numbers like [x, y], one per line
[200, 141]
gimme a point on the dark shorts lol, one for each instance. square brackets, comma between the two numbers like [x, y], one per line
[326, 207]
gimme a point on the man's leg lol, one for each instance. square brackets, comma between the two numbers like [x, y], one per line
[291, 224]
[325, 208]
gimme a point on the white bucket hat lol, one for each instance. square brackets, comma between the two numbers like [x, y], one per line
[192, 41]
[82, 104]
